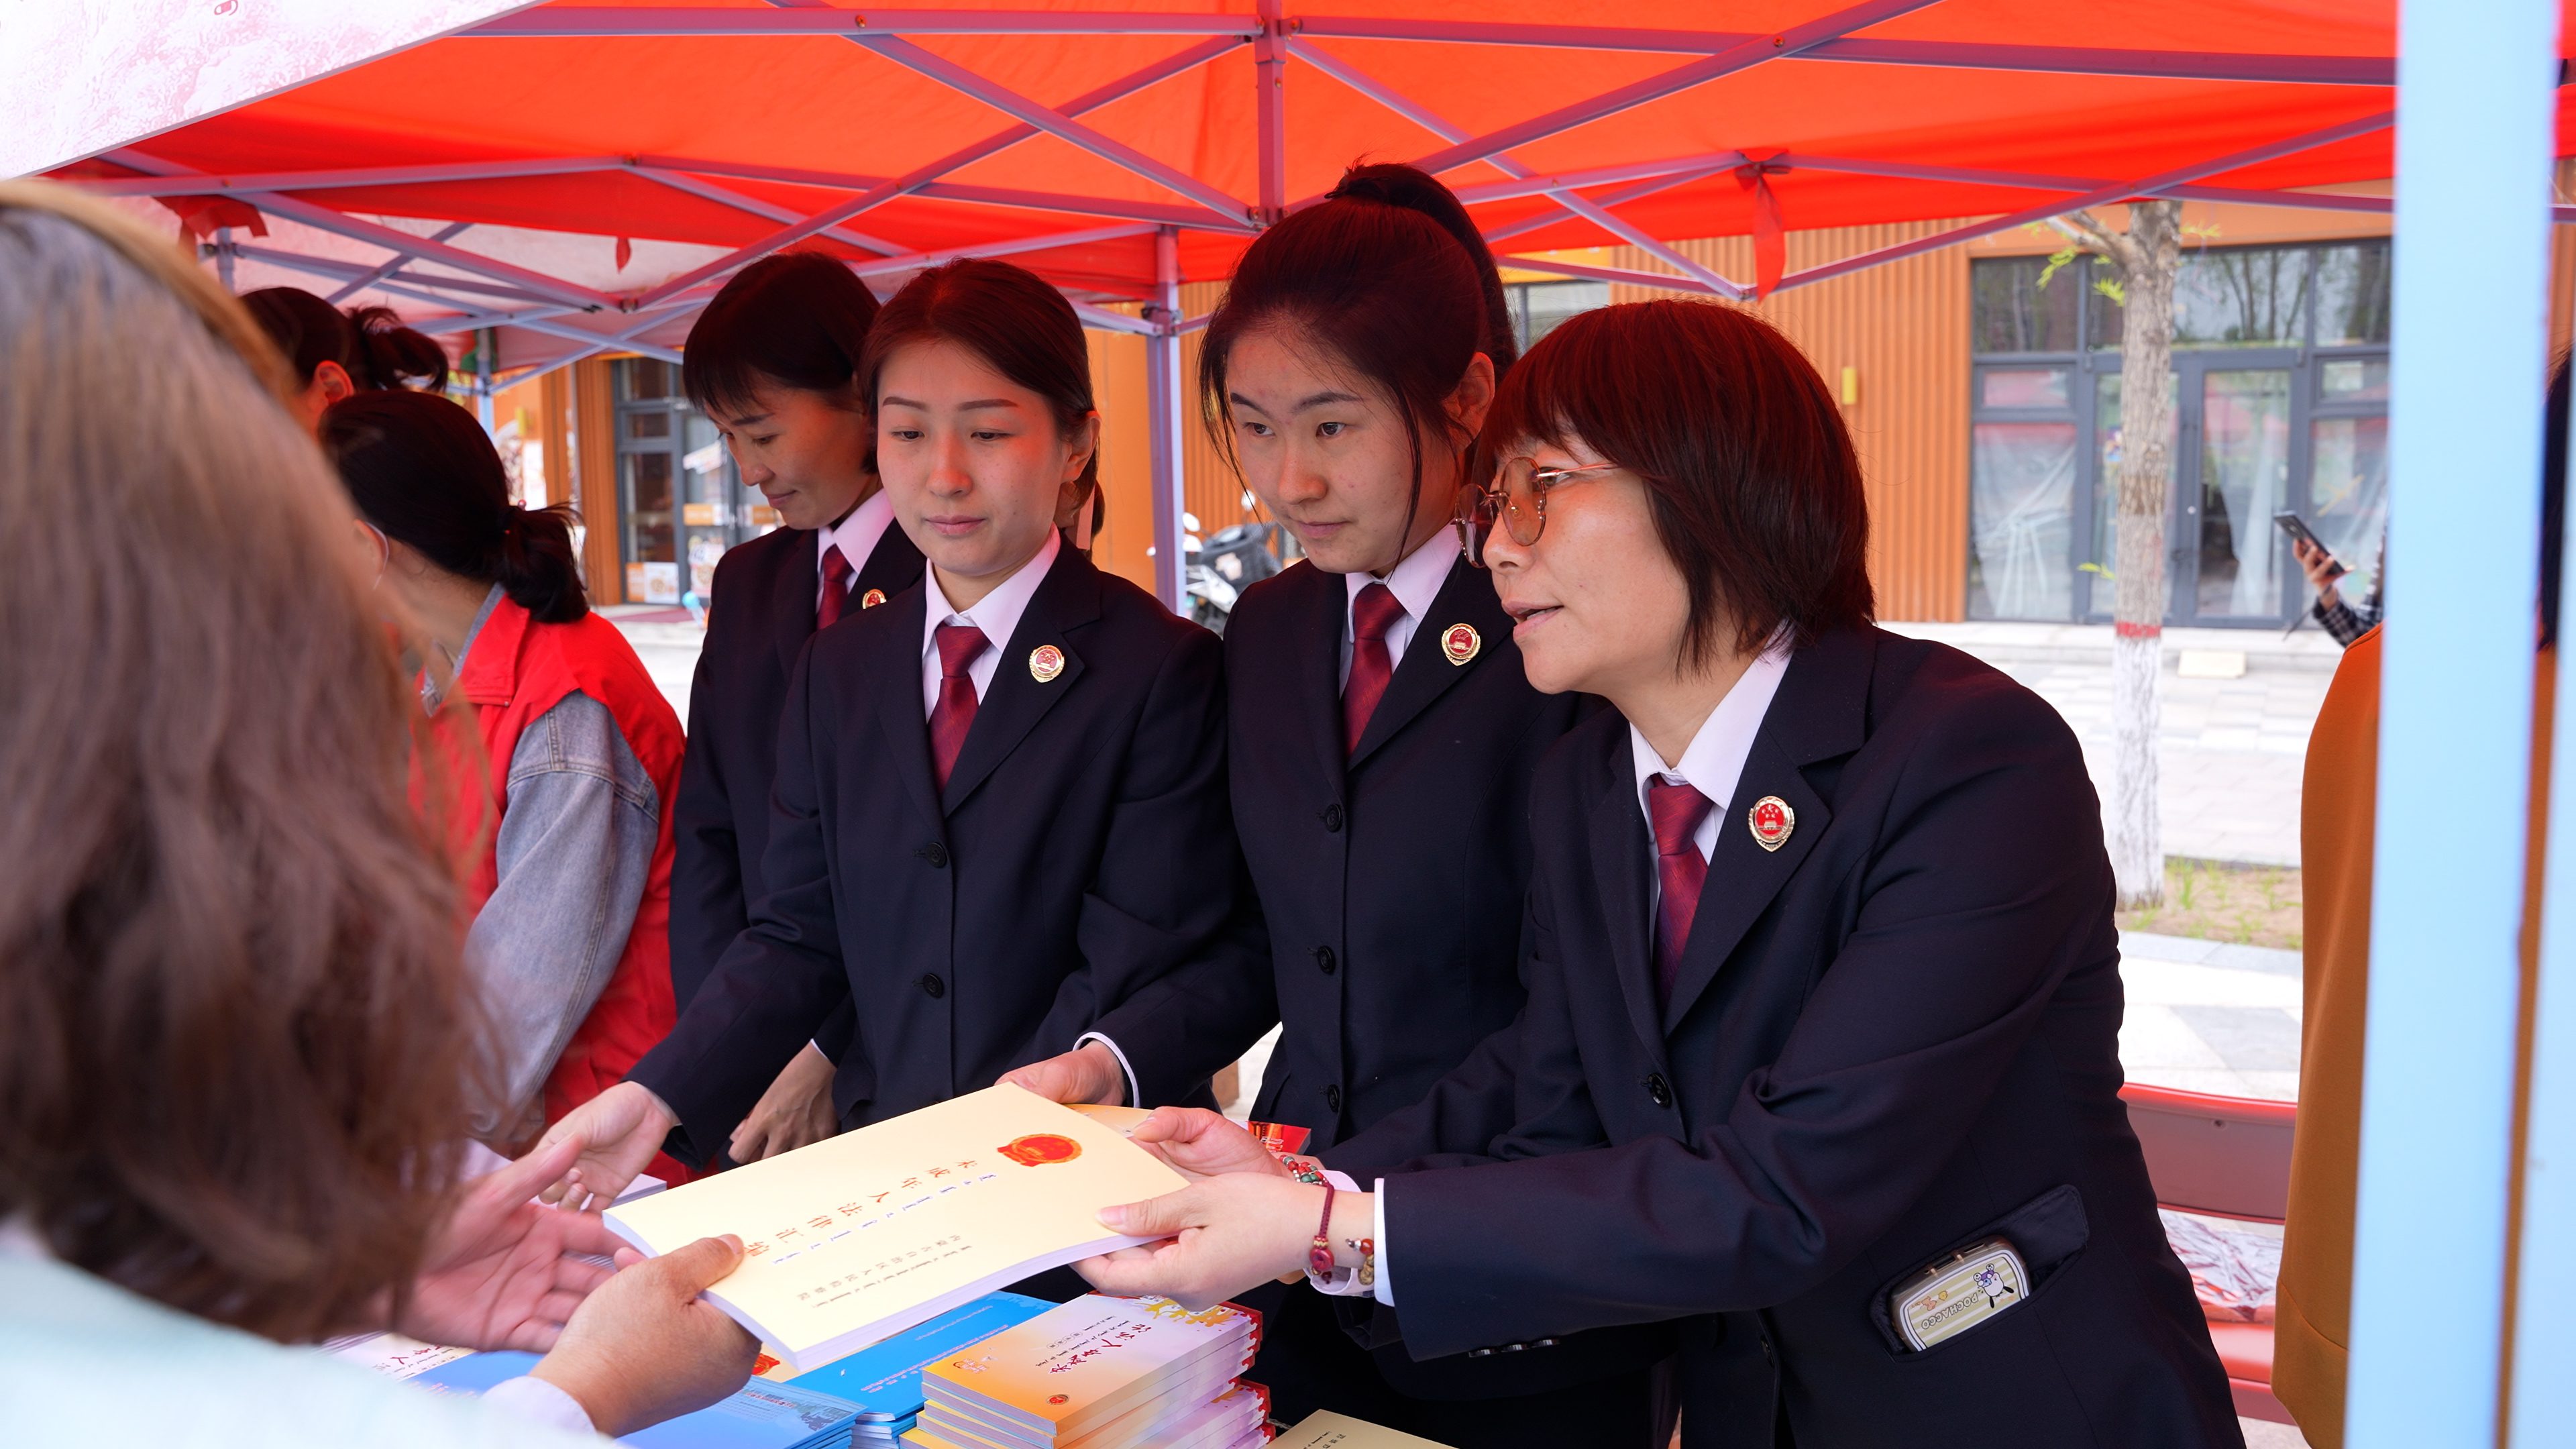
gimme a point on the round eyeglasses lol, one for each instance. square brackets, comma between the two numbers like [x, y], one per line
[1517, 499]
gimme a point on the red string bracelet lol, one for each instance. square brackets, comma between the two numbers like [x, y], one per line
[1319, 1255]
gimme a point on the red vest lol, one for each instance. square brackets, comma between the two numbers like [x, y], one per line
[516, 670]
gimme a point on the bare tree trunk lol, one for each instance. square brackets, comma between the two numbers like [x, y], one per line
[2147, 260]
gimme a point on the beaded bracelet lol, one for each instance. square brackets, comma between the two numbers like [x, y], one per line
[1367, 1249]
[1319, 1254]
[1307, 1170]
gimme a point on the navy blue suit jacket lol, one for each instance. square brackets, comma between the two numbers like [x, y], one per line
[762, 614]
[1389, 880]
[1893, 1035]
[1081, 850]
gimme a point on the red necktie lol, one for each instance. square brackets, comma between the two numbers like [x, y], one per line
[836, 588]
[955, 712]
[1372, 614]
[1677, 811]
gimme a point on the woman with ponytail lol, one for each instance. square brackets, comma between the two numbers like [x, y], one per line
[569, 875]
[333, 354]
[1381, 740]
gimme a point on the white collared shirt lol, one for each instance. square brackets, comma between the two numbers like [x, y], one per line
[997, 614]
[857, 533]
[1415, 583]
[1714, 761]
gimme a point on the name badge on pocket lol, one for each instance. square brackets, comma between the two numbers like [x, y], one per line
[1959, 1292]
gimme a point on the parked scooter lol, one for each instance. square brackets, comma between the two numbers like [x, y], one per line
[1219, 569]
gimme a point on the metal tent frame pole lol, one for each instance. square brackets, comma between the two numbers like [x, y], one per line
[2476, 125]
[1163, 386]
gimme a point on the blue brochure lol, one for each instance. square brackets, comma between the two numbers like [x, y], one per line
[884, 1379]
[758, 1416]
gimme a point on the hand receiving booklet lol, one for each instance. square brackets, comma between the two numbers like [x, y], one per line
[866, 1234]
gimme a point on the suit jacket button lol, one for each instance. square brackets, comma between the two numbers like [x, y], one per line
[1324, 960]
[936, 854]
[1333, 1098]
[933, 987]
[1333, 816]
[1660, 1090]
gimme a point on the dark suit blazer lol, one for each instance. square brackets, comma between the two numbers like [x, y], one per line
[1891, 1036]
[1081, 849]
[1390, 882]
[762, 616]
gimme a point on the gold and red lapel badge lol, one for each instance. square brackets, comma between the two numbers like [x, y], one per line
[1459, 643]
[1771, 820]
[871, 598]
[1045, 662]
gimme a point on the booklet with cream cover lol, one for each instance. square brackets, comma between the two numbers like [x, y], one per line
[1324, 1429]
[866, 1234]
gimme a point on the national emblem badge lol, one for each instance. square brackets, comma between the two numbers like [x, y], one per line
[871, 598]
[1460, 643]
[1771, 820]
[1045, 662]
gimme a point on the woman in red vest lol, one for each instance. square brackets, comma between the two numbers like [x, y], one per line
[569, 879]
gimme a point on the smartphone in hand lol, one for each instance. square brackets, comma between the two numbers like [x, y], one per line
[2299, 532]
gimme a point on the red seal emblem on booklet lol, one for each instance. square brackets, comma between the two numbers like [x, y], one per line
[1040, 1148]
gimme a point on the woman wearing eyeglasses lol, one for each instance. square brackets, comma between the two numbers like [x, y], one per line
[1820, 1058]
[1380, 741]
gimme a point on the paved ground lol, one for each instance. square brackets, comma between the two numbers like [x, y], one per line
[2232, 748]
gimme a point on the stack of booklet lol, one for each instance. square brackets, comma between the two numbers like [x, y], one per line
[1101, 1373]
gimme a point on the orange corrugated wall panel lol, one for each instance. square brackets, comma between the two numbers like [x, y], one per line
[1903, 329]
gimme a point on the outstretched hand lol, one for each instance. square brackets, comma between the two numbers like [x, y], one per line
[1203, 1144]
[615, 1134]
[646, 1347]
[1088, 1073]
[1224, 1235]
[496, 1274]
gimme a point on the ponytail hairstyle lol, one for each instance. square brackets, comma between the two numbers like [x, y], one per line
[1390, 273]
[1020, 326]
[370, 343]
[420, 469]
[797, 319]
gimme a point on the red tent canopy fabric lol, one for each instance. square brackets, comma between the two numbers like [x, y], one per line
[1065, 134]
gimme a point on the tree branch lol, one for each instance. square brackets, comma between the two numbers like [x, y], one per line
[2081, 228]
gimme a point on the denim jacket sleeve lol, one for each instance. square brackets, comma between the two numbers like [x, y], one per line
[574, 849]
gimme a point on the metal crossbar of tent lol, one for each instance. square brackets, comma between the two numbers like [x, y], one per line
[2435, 1352]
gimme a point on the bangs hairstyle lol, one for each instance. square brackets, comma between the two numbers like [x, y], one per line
[235, 1025]
[1010, 317]
[797, 319]
[1388, 274]
[1755, 489]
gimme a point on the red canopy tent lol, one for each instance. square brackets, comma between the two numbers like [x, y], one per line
[505, 175]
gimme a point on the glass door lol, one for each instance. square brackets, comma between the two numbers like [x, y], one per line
[2231, 564]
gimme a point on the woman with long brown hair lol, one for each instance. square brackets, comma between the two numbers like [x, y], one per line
[236, 1034]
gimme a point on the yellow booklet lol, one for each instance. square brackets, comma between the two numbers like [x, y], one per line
[1325, 1429]
[866, 1234]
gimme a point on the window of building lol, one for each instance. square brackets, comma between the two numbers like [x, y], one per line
[2280, 403]
[1537, 307]
[680, 502]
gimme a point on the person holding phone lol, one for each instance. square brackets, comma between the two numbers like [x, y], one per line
[999, 813]
[773, 361]
[1820, 1061]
